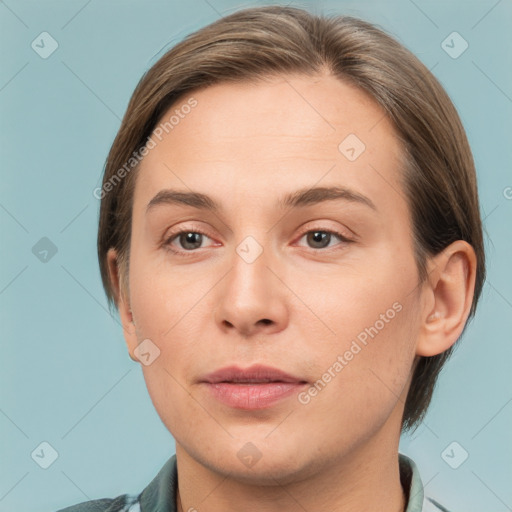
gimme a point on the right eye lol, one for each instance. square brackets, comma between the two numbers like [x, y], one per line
[189, 240]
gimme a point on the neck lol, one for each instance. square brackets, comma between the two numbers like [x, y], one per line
[367, 479]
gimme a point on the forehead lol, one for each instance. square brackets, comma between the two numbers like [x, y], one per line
[281, 134]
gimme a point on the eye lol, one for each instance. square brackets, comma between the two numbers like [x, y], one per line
[321, 238]
[189, 240]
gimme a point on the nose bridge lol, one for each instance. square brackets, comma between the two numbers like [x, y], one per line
[249, 278]
[250, 297]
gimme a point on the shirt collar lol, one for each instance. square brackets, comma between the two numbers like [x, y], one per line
[160, 494]
[411, 482]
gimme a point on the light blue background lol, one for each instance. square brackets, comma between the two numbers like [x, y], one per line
[66, 377]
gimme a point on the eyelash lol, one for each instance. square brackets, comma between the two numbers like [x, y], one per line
[185, 253]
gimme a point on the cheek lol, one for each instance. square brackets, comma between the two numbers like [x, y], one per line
[162, 297]
[369, 348]
[169, 398]
[361, 384]
[370, 297]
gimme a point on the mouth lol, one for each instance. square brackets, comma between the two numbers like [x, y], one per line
[256, 387]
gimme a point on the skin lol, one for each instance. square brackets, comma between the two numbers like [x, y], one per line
[246, 145]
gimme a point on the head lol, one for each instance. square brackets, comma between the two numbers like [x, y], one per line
[344, 161]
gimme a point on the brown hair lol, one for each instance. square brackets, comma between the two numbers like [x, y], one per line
[439, 176]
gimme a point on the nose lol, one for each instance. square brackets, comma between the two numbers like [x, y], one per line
[252, 299]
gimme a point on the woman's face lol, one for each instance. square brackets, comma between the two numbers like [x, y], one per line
[320, 285]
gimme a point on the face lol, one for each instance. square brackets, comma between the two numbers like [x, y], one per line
[320, 285]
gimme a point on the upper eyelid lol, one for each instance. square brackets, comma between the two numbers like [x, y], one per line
[180, 231]
[195, 229]
[336, 232]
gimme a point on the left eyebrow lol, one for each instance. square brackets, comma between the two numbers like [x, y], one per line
[309, 196]
[299, 198]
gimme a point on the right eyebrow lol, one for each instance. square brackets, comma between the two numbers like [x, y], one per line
[194, 199]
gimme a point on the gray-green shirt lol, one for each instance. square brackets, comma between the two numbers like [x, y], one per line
[160, 494]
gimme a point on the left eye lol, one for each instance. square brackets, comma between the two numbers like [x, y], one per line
[319, 239]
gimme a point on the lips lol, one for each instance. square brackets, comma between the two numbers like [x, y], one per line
[253, 375]
[256, 387]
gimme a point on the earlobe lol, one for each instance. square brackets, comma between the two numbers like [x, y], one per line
[451, 284]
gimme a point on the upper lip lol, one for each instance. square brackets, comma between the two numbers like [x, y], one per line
[255, 373]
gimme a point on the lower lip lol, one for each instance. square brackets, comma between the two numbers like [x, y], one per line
[253, 396]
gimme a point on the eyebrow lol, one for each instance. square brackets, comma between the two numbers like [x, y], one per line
[299, 198]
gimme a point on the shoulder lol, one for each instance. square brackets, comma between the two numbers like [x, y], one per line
[159, 495]
[123, 503]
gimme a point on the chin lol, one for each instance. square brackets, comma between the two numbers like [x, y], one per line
[263, 466]
[277, 471]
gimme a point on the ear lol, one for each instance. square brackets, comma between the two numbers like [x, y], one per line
[448, 298]
[123, 303]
